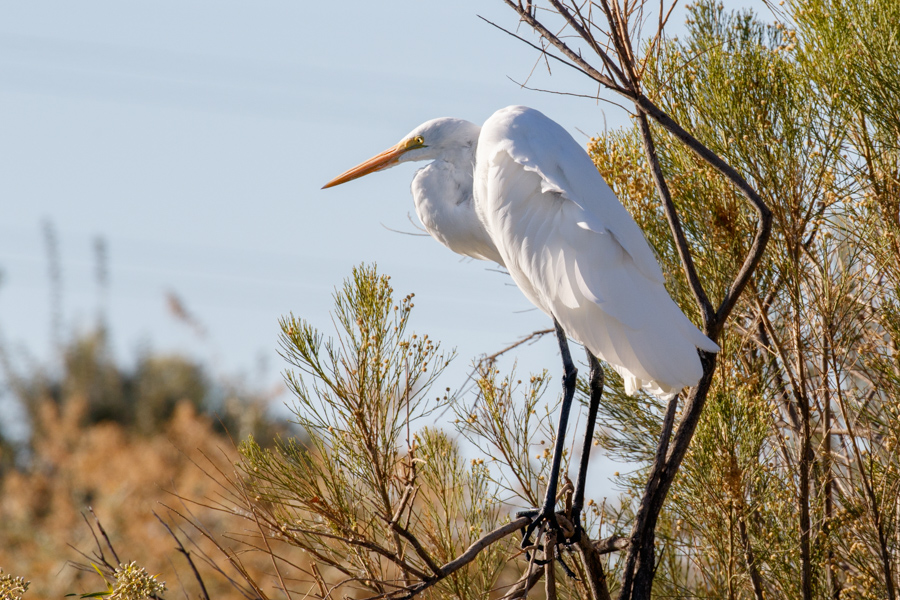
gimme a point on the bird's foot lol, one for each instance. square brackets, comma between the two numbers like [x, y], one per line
[544, 520]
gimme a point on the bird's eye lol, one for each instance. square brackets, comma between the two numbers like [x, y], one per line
[420, 141]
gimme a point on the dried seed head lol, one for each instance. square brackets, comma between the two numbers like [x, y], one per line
[12, 588]
[134, 583]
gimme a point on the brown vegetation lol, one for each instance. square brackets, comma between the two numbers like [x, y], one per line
[124, 444]
[101, 465]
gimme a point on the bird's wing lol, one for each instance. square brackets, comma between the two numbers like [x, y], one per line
[541, 145]
[577, 254]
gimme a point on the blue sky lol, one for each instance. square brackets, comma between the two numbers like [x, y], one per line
[194, 138]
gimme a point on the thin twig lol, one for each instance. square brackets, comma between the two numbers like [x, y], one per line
[203, 593]
[101, 556]
[594, 75]
[529, 579]
[371, 546]
[531, 336]
[105, 537]
[596, 97]
[232, 557]
[752, 567]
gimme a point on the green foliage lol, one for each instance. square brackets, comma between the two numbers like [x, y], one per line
[378, 495]
[505, 431]
[850, 49]
[373, 374]
[458, 504]
[808, 113]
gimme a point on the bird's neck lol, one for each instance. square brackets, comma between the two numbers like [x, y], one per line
[443, 195]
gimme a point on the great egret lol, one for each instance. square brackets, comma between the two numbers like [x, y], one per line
[521, 192]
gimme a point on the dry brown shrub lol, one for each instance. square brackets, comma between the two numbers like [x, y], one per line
[124, 477]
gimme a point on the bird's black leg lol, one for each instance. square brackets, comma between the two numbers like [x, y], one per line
[596, 380]
[547, 513]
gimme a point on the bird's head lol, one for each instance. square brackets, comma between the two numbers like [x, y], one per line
[430, 140]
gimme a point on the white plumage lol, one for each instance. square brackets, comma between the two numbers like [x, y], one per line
[520, 191]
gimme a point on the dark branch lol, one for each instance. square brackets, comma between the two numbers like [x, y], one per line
[669, 455]
[184, 551]
[417, 545]
[590, 558]
[613, 543]
[684, 253]
[763, 226]
[641, 547]
[463, 559]
[105, 537]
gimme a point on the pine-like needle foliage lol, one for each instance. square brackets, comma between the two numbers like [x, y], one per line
[791, 485]
[380, 498]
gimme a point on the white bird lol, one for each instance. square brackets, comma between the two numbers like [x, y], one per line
[521, 192]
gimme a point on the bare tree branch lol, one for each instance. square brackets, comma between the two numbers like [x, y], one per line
[681, 243]
[590, 557]
[463, 559]
[625, 80]
[534, 335]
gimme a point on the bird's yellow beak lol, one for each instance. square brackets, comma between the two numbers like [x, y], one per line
[386, 159]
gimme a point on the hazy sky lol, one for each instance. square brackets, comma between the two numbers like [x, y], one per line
[194, 137]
